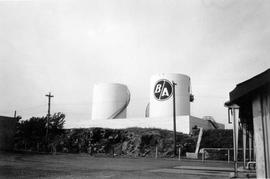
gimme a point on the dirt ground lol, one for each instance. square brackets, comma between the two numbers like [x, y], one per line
[15, 165]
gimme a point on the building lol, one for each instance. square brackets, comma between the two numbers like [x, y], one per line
[7, 132]
[251, 100]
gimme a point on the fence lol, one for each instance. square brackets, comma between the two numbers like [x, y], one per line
[224, 154]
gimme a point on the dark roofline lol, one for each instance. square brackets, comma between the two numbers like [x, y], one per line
[249, 86]
[6, 117]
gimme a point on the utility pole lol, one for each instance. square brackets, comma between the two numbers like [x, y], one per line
[174, 120]
[49, 113]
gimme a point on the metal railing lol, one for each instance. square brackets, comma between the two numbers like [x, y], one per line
[229, 150]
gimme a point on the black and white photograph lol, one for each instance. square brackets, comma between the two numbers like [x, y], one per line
[134, 89]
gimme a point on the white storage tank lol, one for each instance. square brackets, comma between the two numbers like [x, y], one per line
[110, 101]
[161, 95]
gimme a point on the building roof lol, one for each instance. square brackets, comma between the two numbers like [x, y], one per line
[6, 117]
[247, 87]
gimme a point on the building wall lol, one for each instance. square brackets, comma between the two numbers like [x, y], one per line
[261, 121]
[7, 132]
[183, 123]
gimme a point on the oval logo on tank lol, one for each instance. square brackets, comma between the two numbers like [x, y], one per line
[163, 90]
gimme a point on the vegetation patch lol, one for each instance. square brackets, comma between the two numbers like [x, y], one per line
[130, 142]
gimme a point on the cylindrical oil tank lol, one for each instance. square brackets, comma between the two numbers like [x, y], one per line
[110, 101]
[161, 94]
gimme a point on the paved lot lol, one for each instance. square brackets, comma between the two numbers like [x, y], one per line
[85, 166]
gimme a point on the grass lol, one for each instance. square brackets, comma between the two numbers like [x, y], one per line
[13, 165]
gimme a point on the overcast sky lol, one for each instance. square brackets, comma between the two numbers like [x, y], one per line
[67, 46]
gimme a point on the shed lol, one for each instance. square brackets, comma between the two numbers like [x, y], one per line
[253, 99]
[7, 132]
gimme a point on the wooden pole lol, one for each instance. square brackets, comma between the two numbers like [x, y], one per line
[49, 113]
[244, 144]
[156, 152]
[250, 145]
[203, 155]
[229, 155]
[174, 120]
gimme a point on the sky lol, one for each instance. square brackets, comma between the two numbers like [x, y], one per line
[65, 47]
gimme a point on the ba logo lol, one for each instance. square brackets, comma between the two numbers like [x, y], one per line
[163, 90]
